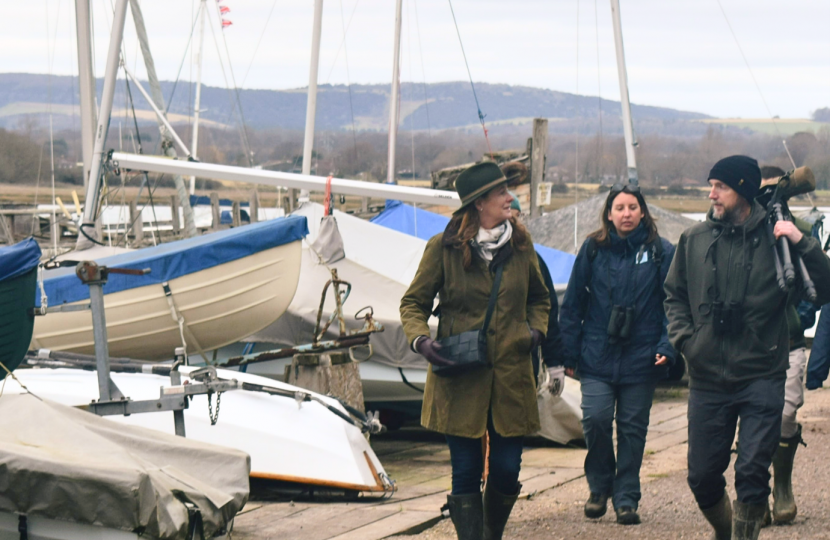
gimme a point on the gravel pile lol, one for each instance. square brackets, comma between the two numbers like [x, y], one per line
[556, 229]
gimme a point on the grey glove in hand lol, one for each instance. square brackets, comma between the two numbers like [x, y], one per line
[430, 349]
[553, 381]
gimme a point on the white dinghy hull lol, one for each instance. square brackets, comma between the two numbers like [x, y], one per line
[288, 441]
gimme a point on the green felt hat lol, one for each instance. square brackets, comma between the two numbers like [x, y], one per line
[477, 181]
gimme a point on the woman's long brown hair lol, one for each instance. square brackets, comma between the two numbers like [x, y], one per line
[603, 234]
[464, 226]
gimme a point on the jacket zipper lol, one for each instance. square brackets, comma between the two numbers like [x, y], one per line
[724, 361]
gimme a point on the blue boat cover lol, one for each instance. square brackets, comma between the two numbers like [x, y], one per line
[202, 200]
[18, 259]
[175, 259]
[424, 224]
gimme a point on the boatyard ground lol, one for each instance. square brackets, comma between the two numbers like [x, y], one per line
[554, 490]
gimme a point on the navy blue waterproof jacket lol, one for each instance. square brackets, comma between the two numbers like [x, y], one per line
[615, 277]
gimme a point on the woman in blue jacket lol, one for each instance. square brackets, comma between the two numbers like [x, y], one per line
[614, 336]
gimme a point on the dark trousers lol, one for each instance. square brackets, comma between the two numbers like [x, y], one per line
[713, 418]
[467, 458]
[631, 404]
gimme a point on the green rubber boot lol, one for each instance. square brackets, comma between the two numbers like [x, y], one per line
[747, 520]
[720, 518]
[467, 514]
[497, 508]
[784, 508]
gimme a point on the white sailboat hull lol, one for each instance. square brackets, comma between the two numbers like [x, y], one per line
[220, 305]
[303, 443]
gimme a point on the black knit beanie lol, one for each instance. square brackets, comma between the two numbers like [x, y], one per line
[741, 173]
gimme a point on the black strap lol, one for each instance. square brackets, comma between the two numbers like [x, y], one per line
[493, 294]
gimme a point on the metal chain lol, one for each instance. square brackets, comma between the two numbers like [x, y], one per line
[214, 418]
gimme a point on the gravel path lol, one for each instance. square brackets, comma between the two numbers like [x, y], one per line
[667, 508]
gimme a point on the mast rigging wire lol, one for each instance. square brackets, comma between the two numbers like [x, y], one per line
[424, 76]
[259, 42]
[755, 81]
[242, 132]
[576, 165]
[472, 85]
[600, 152]
[348, 77]
[249, 153]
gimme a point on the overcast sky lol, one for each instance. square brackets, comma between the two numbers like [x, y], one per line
[679, 53]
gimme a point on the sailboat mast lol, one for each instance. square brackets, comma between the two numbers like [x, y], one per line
[194, 147]
[628, 128]
[86, 83]
[311, 107]
[393, 96]
[87, 227]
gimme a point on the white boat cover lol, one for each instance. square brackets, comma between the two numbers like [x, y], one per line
[380, 264]
[62, 463]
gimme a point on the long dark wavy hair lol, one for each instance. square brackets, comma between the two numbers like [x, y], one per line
[464, 226]
[603, 234]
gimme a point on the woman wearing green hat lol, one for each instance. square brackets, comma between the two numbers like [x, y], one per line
[460, 266]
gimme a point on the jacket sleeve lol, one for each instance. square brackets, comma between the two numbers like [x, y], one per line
[663, 346]
[538, 299]
[573, 308]
[818, 266]
[417, 302]
[680, 324]
[552, 346]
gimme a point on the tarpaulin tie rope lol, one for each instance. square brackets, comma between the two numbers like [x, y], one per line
[179, 319]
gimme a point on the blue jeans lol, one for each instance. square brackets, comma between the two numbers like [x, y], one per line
[467, 458]
[713, 417]
[819, 364]
[606, 474]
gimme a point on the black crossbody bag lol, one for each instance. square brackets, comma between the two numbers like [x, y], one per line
[468, 350]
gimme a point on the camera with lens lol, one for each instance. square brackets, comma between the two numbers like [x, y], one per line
[727, 319]
[620, 323]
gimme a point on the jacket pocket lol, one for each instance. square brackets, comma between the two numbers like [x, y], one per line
[530, 337]
[750, 355]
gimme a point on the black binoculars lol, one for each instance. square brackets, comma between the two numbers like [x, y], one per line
[727, 319]
[620, 323]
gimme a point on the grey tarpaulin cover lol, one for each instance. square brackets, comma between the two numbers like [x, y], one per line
[66, 464]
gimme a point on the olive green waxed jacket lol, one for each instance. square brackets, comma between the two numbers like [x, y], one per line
[458, 405]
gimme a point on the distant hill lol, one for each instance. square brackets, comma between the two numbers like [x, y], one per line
[447, 105]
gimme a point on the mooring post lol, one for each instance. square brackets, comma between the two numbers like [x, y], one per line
[537, 162]
[253, 208]
[215, 212]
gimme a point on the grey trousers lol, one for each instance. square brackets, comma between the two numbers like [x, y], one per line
[793, 392]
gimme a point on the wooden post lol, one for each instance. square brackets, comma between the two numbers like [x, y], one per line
[292, 197]
[364, 205]
[332, 374]
[174, 213]
[236, 213]
[137, 223]
[215, 212]
[537, 163]
[253, 208]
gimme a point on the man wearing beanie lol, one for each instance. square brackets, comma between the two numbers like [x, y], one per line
[727, 316]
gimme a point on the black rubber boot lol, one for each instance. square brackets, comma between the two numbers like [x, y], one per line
[596, 505]
[467, 514]
[497, 508]
[747, 520]
[627, 515]
[720, 518]
[784, 508]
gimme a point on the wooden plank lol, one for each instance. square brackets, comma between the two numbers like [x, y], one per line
[668, 440]
[321, 522]
[404, 522]
[553, 478]
[669, 425]
[554, 457]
